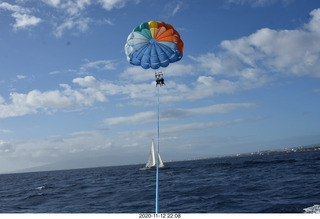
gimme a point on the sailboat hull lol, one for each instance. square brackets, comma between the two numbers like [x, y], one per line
[154, 167]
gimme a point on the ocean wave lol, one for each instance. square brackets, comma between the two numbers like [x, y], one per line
[315, 209]
[40, 187]
[34, 196]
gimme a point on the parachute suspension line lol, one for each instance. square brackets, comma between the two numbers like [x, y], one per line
[160, 81]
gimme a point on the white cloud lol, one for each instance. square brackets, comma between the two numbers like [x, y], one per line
[177, 8]
[128, 90]
[33, 152]
[174, 130]
[143, 117]
[5, 131]
[88, 81]
[111, 4]
[145, 93]
[137, 74]
[49, 99]
[14, 8]
[99, 65]
[172, 8]
[53, 3]
[5, 147]
[108, 21]
[294, 52]
[71, 14]
[35, 100]
[21, 76]
[252, 61]
[92, 90]
[313, 25]
[81, 24]
[207, 86]
[259, 3]
[22, 16]
[71, 7]
[24, 20]
[16, 108]
[150, 116]
[178, 69]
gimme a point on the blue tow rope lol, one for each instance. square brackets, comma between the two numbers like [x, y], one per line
[157, 177]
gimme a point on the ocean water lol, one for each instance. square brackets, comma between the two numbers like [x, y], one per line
[276, 183]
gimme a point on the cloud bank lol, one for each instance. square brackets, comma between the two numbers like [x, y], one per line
[150, 116]
[245, 63]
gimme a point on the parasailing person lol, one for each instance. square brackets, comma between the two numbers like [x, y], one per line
[159, 79]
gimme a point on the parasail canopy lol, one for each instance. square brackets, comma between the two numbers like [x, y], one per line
[153, 45]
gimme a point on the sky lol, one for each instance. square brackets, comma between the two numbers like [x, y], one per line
[249, 81]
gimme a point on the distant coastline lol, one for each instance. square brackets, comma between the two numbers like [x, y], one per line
[313, 147]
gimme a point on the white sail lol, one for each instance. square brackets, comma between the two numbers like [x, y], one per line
[152, 158]
[152, 161]
[160, 161]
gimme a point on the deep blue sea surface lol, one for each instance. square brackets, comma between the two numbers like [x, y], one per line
[276, 183]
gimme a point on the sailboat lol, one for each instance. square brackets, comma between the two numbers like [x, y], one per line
[152, 160]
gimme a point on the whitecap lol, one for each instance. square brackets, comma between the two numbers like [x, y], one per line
[312, 210]
[40, 187]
